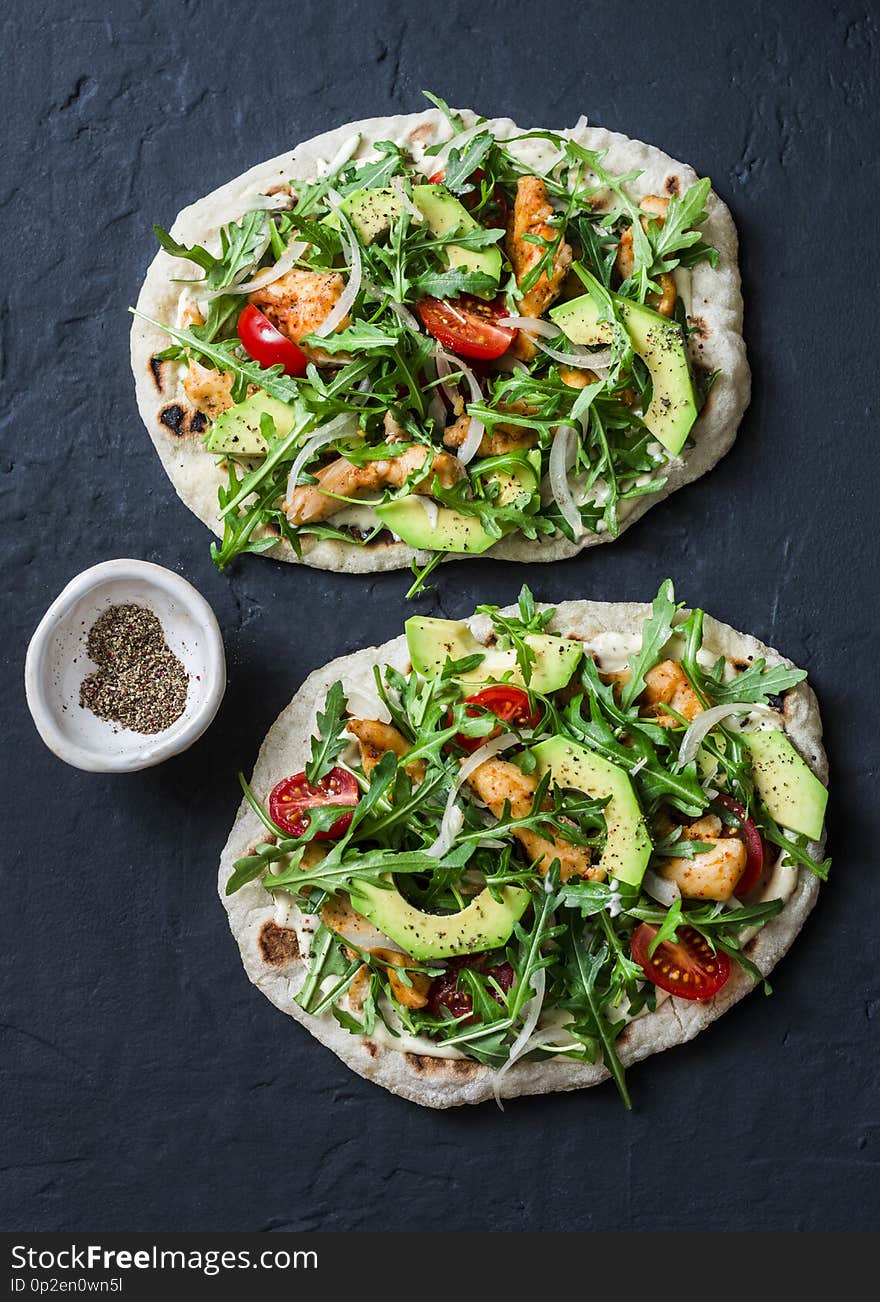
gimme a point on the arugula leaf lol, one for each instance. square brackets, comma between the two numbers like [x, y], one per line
[454, 119]
[331, 874]
[225, 357]
[327, 960]
[677, 232]
[477, 237]
[194, 253]
[254, 865]
[584, 968]
[707, 918]
[455, 281]
[666, 930]
[330, 740]
[460, 164]
[755, 684]
[357, 338]
[793, 843]
[656, 632]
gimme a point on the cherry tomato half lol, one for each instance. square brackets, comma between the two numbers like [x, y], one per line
[467, 325]
[754, 846]
[444, 992]
[290, 801]
[509, 704]
[267, 345]
[686, 967]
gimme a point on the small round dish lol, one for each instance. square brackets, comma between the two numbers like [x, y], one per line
[57, 662]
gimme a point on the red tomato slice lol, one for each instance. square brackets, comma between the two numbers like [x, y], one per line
[444, 992]
[467, 326]
[686, 967]
[754, 846]
[267, 345]
[294, 796]
[509, 704]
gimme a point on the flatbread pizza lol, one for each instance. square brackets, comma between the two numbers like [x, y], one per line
[517, 854]
[438, 335]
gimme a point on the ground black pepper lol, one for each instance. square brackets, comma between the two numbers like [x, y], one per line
[140, 683]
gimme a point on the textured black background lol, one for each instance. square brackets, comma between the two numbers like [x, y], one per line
[146, 1084]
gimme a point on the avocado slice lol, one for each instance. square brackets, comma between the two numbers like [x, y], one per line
[448, 531]
[628, 846]
[486, 923]
[791, 791]
[432, 641]
[659, 343]
[439, 528]
[443, 213]
[236, 431]
[371, 212]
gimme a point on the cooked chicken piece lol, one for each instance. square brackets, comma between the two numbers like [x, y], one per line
[190, 316]
[531, 216]
[312, 502]
[298, 302]
[657, 205]
[576, 378]
[711, 874]
[498, 780]
[208, 391]
[357, 991]
[394, 431]
[665, 301]
[654, 205]
[667, 684]
[414, 995]
[340, 916]
[503, 439]
[375, 739]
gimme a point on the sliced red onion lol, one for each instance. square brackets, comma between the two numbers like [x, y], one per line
[430, 508]
[537, 330]
[253, 261]
[438, 161]
[450, 824]
[404, 315]
[343, 155]
[352, 249]
[524, 1041]
[705, 722]
[336, 428]
[477, 429]
[598, 362]
[436, 407]
[276, 202]
[659, 889]
[399, 187]
[562, 455]
[444, 370]
[436, 410]
[289, 257]
[533, 325]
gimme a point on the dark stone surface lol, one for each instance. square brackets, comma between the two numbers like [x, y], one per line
[146, 1084]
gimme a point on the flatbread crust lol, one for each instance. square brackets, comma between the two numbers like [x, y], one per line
[270, 953]
[716, 311]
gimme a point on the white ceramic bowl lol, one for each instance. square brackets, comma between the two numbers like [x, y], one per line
[57, 663]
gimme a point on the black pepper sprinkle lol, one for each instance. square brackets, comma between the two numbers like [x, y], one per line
[140, 683]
